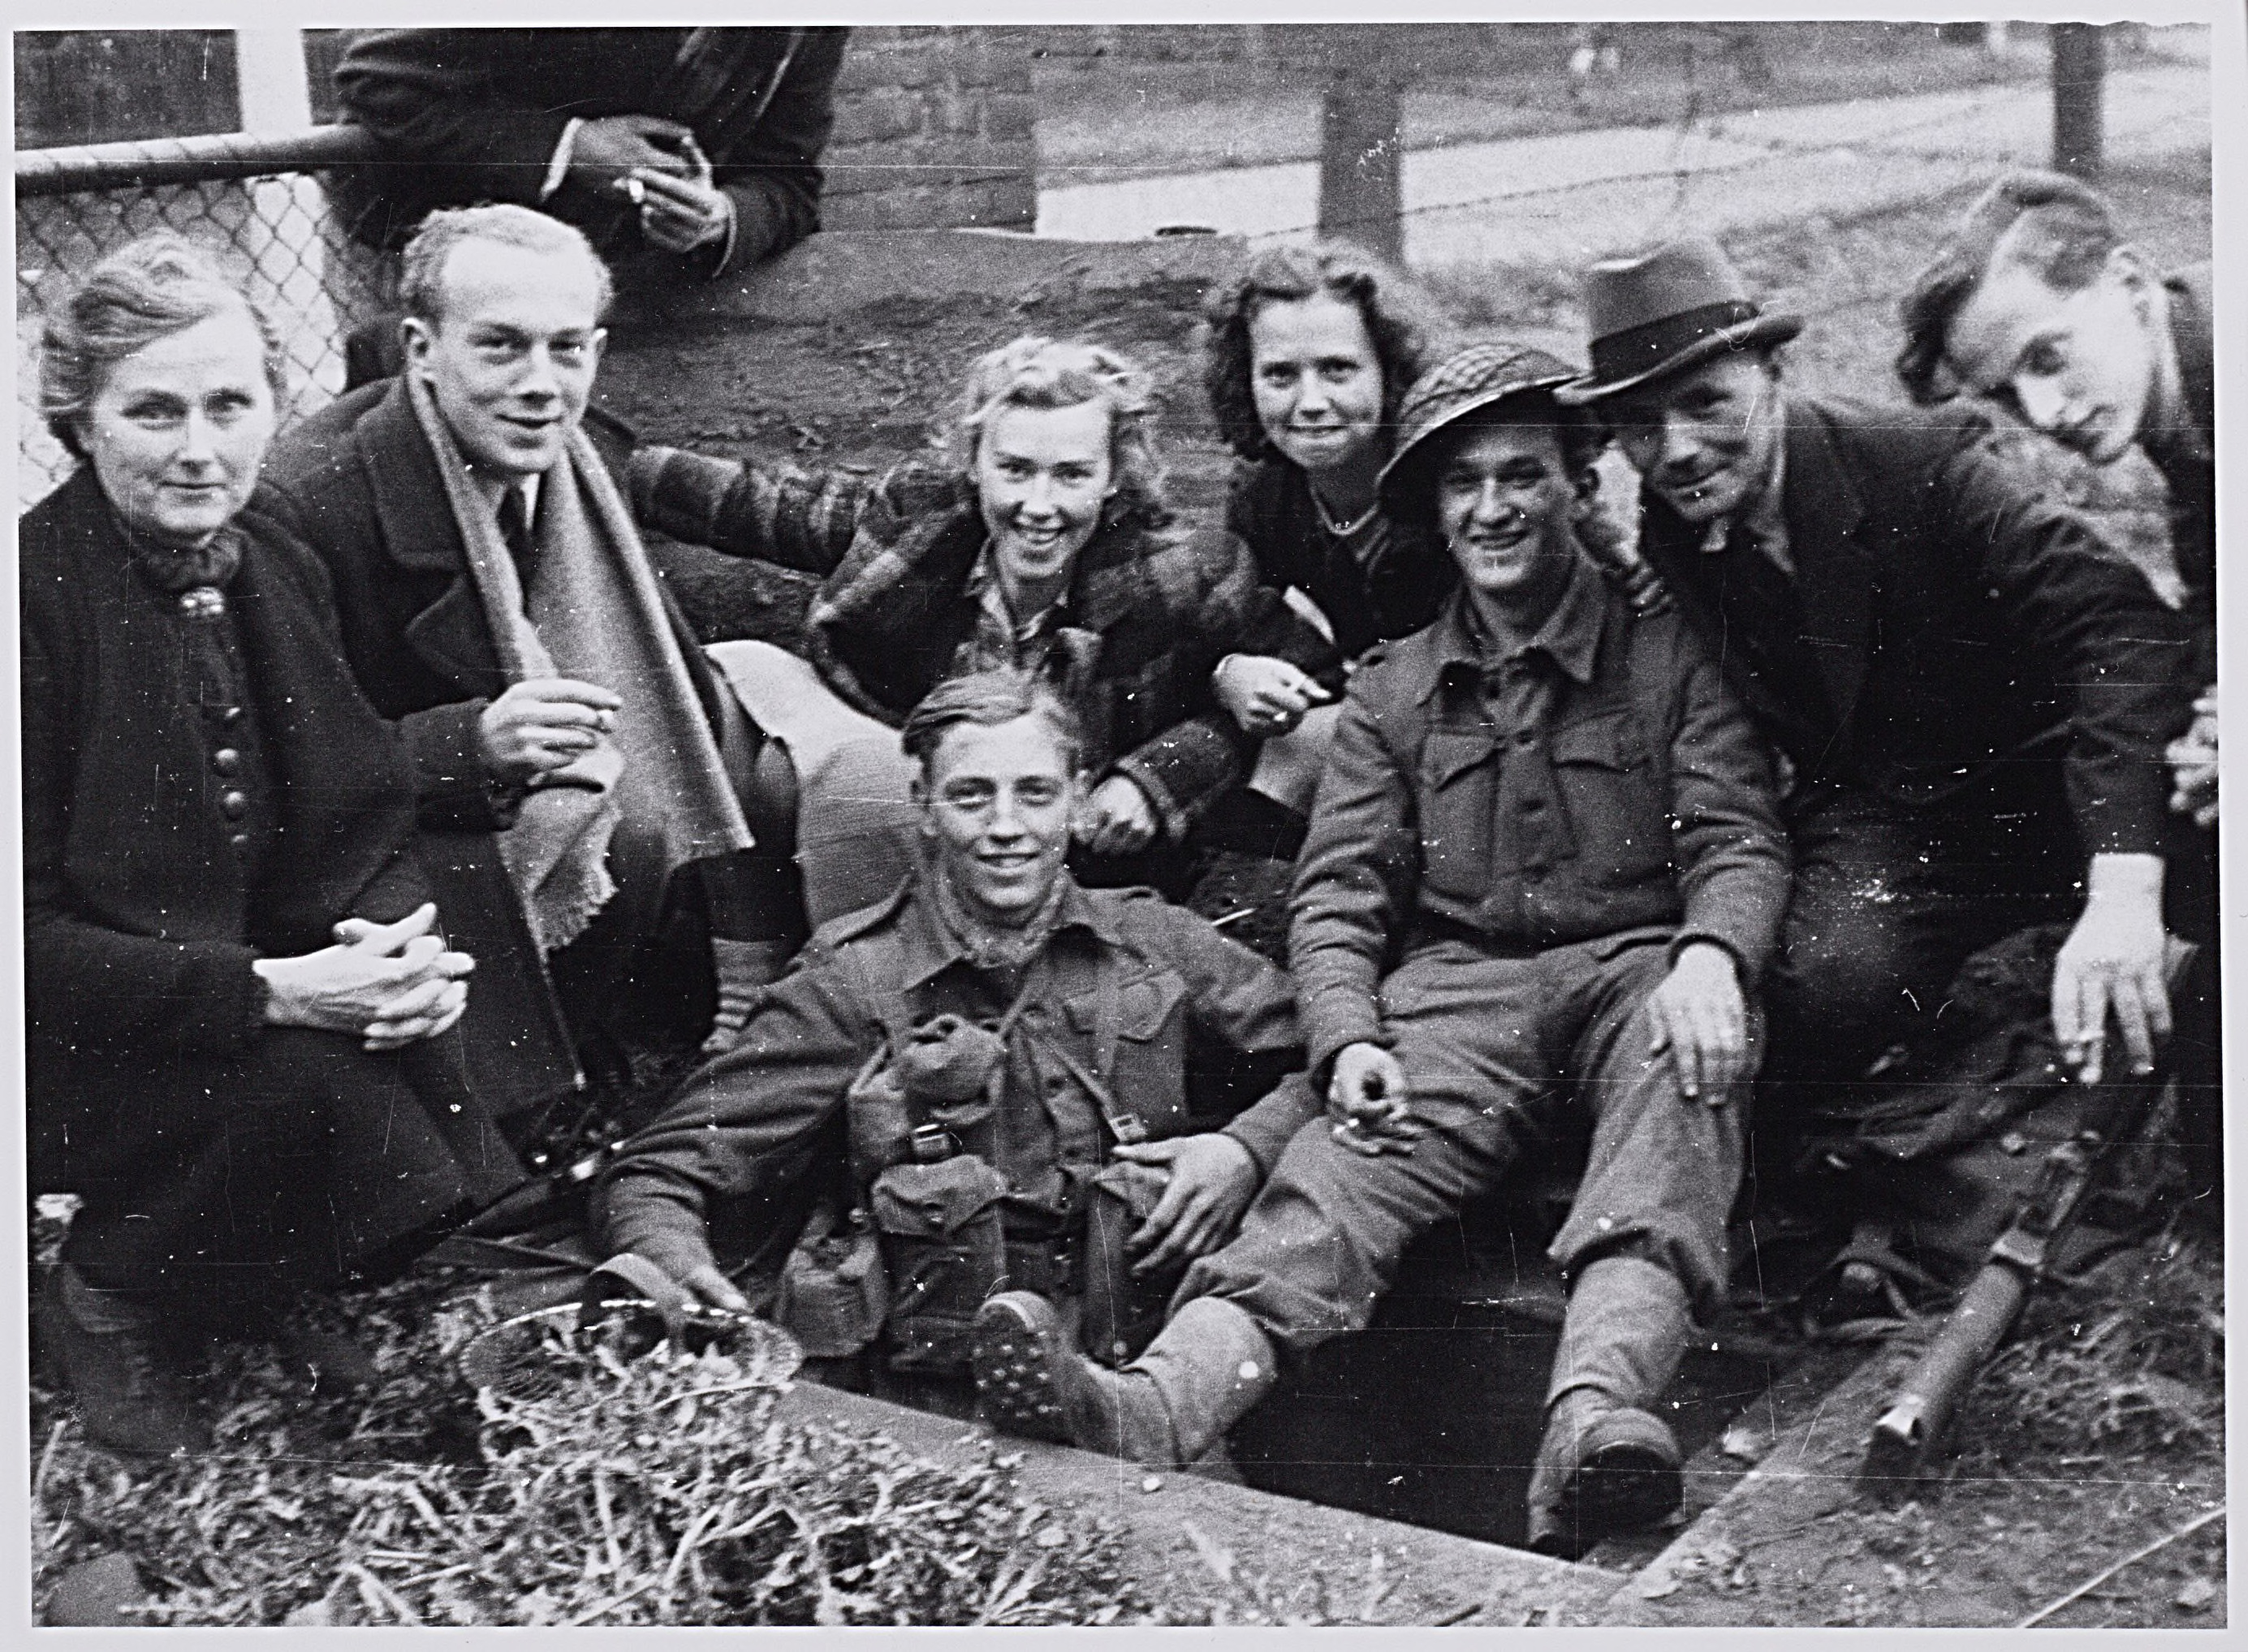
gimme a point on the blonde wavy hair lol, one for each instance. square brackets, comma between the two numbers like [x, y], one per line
[1036, 372]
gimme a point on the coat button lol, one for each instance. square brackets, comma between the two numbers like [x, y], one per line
[233, 805]
[232, 715]
[227, 761]
[240, 840]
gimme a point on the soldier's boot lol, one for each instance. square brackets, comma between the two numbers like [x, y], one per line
[1607, 1463]
[1208, 1366]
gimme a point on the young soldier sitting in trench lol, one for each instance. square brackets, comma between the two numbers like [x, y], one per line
[1544, 871]
[1008, 1053]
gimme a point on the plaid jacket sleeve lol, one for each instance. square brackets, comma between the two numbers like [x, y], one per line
[779, 514]
[1191, 765]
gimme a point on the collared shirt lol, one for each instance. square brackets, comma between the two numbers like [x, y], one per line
[1596, 778]
[740, 1128]
[1765, 518]
[1002, 640]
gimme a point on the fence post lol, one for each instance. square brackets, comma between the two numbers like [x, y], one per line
[1361, 143]
[277, 96]
[2079, 65]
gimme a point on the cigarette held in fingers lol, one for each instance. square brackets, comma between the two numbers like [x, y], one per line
[634, 191]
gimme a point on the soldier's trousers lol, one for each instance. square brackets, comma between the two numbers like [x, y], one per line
[1492, 1047]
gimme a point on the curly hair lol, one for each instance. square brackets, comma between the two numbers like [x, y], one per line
[421, 279]
[1035, 372]
[148, 288]
[988, 699]
[2053, 226]
[1402, 321]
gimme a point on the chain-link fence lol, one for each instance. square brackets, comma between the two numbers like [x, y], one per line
[257, 204]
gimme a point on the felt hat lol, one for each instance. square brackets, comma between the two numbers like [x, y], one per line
[1479, 376]
[1663, 311]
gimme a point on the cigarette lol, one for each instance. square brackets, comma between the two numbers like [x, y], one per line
[1234, 916]
[635, 191]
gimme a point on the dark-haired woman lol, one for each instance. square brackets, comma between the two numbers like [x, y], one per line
[1305, 357]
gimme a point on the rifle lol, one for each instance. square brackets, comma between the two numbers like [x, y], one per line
[1910, 1433]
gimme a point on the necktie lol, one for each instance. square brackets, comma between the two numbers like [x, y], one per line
[515, 530]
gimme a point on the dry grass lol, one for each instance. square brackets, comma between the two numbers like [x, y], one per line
[2129, 1360]
[612, 1490]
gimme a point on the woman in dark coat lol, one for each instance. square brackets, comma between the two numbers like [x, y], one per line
[239, 1056]
[1305, 357]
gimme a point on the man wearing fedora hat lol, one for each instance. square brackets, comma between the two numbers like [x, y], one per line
[1972, 697]
[1543, 872]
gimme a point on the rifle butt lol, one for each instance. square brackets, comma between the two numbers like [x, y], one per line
[1906, 1437]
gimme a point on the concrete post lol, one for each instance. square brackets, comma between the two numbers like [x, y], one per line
[1362, 144]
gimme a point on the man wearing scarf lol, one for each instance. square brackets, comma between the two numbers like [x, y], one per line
[1004, 1053]
[582, 774]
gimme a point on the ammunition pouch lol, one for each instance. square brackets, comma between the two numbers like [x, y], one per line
[834, 1291]
[944, 1251]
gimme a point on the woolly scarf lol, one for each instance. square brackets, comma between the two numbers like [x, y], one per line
[990, 946]
[652, 795]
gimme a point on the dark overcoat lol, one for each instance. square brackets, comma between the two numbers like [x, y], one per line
[358, 482]
[1960, 620]
[154, 1082]
[468, 115]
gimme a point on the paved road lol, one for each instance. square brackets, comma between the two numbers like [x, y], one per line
[1570, 196]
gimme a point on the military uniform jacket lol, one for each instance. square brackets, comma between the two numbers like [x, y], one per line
[751, 1121]
[1599, 781]
[1958, 619]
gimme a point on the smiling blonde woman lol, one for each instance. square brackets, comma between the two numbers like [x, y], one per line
[1046, 547]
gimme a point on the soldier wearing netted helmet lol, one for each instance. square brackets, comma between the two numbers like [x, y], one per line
[1544, 872]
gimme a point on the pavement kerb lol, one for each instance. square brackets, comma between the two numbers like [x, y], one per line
[1184, 1535]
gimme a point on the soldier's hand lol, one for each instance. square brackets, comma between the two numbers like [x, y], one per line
[543, 724]
[708, 1284]
[2112, 962]
[1698, 1018]
[1117, 818]
[1212, 1179]
[1370, 1098]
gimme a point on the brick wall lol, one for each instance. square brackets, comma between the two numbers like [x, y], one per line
[932, 124]
[932, 130]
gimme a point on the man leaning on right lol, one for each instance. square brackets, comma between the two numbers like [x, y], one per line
[1973, 695]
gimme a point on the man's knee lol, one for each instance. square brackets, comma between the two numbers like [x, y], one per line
[1846, 968]
[1319, 1245]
